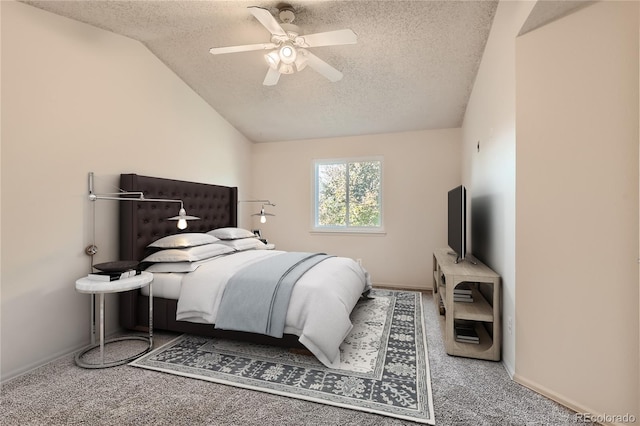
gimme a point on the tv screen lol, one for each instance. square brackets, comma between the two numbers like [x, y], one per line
[457, 221]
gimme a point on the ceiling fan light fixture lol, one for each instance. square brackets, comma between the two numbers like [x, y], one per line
[286, 68]
[288, 53]
[273, 59]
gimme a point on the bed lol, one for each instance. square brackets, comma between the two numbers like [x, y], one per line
[315, 317]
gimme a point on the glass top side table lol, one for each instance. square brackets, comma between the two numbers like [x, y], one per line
[94, 287]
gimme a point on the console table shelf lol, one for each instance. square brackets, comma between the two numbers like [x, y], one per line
[483, 313]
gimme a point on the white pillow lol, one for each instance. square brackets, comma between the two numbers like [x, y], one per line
[244, 244]
[188, 239]
[173, 267]
[231, 233]
[190, 254]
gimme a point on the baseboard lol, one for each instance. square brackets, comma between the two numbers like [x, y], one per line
[35, 365]
[581, 410]
[509, 369]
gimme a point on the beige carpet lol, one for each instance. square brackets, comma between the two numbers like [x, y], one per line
[465, 392]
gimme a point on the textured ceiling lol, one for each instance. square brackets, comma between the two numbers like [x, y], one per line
[413, 67]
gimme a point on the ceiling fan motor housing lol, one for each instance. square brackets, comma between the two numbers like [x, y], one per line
[286, 14]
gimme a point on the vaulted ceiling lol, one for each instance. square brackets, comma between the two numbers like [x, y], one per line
[413, 66]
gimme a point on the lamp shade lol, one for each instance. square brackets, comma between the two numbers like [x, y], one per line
[288, 53]
[273, 59]
[263, 215]
[182, 218]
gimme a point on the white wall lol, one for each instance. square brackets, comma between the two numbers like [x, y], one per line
[577, 209]
[489, 172]
[419, 169]
[77, 99]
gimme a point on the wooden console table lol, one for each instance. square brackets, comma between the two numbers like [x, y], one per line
[482, 314]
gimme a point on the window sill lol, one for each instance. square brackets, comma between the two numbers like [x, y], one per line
[350, 232]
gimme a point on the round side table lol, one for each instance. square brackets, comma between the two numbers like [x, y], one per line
[94, 287]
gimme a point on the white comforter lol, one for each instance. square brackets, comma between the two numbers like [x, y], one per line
[320, 304]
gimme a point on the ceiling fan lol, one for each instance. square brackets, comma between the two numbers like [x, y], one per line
[288, 47]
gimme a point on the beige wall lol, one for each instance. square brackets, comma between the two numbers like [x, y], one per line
[489, 172]
[419, 169]
[577, 209]
[77, 99]
[94, 101]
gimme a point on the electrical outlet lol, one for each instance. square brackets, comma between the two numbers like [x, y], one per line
[510, 326]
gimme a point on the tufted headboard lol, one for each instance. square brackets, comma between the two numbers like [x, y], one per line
[144, 222]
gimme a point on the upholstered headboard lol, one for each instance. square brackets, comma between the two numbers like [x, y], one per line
[144, 222]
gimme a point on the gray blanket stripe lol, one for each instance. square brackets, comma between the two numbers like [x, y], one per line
[256, 297]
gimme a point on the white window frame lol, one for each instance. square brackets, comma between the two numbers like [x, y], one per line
[314, 202]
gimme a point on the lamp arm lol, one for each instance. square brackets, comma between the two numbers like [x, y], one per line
[116, 196]
[109, 196]
[119, 196]
[162, 200]
[265, 202]
[126, 195]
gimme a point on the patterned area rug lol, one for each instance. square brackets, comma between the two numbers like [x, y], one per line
[384, 363]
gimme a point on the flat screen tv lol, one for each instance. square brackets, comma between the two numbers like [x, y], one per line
[457, 222]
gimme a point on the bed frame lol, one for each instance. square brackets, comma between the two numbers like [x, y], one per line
[144, 222]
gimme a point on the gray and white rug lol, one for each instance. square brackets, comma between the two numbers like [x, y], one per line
[384, 363]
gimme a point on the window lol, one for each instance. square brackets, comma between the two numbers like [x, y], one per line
[348, 195]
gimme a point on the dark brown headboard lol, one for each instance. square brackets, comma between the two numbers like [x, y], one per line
[144, 222]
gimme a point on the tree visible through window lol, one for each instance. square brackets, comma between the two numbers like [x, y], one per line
[348, 194]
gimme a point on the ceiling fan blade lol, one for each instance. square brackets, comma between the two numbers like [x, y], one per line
[330, 38]
[272, 77]
[266, 18]
[323, 68]
[243, 48]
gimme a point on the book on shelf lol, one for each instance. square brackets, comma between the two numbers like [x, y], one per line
[462, 298]
[467, 340]
[112, 276]
[463, 288]
[466, 333]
